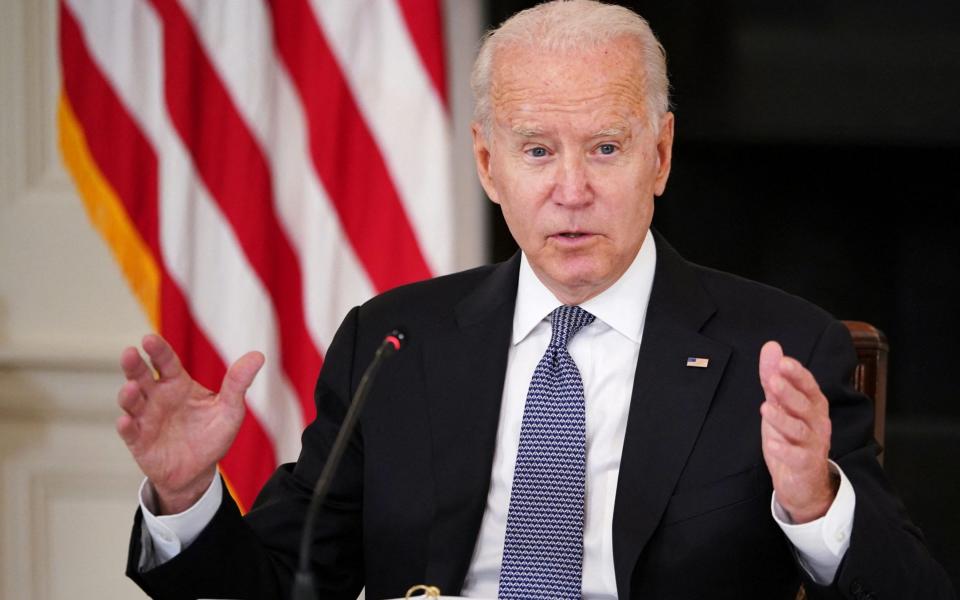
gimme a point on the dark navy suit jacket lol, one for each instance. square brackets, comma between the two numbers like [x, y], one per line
[692, 513]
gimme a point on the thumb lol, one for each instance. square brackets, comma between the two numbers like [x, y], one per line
[239, 377]
[770, 356]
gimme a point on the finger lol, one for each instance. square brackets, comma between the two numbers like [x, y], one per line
[770, 355]
[800, 377]
[135, 369]
[798, 461]
[239, 377]
[782, 452]
[773, 448]
[162, 356]
[793, 400]
[128, 429]
[809, 404]
[790, 428]
[131, 399]
[776, 446]
[768, 432]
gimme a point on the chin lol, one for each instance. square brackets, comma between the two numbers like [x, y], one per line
[578, 279]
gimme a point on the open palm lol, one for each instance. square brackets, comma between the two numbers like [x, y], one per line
[176, 429]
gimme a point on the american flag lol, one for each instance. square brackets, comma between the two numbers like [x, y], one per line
[257, 168]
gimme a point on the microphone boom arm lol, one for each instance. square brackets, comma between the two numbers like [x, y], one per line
[303, 586]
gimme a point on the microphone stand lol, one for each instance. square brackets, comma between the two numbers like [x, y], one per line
[303, 585]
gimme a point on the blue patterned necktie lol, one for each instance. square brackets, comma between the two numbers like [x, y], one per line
[543, 547]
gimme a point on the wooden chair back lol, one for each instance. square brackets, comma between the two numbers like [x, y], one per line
[869, 377]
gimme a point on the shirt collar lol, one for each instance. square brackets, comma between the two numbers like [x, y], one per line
[622, 306]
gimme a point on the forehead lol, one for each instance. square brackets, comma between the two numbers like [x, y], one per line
[602, 84]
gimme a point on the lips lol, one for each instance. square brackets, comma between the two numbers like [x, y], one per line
[571, 237]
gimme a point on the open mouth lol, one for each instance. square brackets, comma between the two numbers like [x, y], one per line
[572, 237]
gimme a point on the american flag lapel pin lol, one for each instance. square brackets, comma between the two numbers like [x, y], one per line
[698, 362]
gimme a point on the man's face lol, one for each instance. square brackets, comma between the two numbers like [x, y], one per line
[573, 162]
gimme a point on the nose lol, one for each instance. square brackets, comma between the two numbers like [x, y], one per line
[572, 182]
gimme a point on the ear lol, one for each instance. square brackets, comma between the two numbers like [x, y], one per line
[664, 153]
[481, 154]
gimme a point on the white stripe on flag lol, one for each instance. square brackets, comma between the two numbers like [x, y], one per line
[238, 39]
[199, 248]
[405, 115]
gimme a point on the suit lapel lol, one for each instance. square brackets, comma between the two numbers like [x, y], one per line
[464, 417]
[669, 403]
[668, 406]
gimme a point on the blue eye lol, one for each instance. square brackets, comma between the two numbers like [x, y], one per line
[538, 152]
[607, 148]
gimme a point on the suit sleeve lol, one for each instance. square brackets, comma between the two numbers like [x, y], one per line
[887, 557]
[254, 556]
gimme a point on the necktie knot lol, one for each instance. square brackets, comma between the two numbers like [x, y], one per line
[567, 321]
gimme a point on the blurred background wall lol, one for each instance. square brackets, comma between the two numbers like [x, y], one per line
[67, 484]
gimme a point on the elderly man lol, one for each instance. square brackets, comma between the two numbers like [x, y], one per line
[594, 417]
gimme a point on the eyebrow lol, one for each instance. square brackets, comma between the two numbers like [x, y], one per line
[526, 130]
[530, 131]
[614, 131]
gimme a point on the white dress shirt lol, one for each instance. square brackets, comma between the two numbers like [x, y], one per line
[606, 353]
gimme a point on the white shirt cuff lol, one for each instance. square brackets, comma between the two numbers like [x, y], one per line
[168, 535]
[821, 543]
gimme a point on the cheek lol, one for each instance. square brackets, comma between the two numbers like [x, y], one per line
[520, 217]
[521, 200]
[627, 210]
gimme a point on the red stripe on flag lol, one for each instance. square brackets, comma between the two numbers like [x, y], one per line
[129, 163]
[114, 139]
[251, 459]
[424, 19]
[231, 164]
[345, 154]
[249, 463]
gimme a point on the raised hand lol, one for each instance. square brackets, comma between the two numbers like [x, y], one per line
[176, 429]
[795, 432]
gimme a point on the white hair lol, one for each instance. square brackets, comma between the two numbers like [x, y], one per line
[565, 25]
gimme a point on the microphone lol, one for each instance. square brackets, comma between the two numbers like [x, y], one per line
[303, 586]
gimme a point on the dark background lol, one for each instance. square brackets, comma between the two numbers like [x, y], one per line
[818, 150]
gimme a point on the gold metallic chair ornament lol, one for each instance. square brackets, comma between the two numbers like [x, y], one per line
[429, 591]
